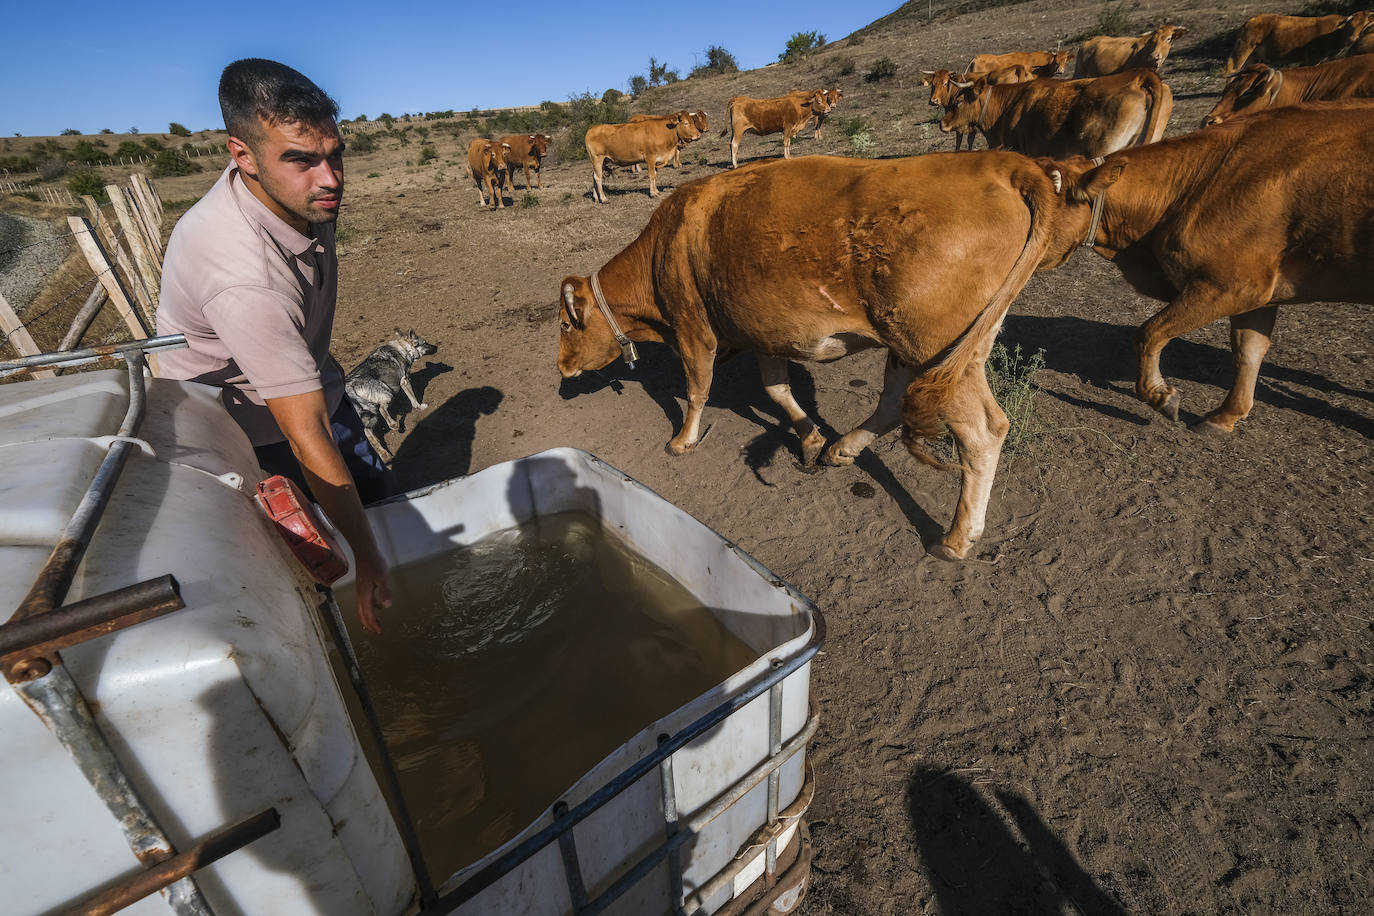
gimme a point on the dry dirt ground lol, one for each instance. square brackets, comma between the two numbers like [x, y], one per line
[1148, 692]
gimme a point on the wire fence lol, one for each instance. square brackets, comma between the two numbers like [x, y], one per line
[62, 281]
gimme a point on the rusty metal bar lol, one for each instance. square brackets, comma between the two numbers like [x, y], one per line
[27, 646]
[210, 850]
[93, 354]
[56, 577]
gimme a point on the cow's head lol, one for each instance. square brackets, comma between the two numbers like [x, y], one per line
[818, 102]
[1078, 181]
[699, 119]
[941, 83]
[684, 125]
[1157, 45]
[1252, 89]
[964, 108]
[582, 343]
[1354, 26]
[539, 144]
[1061, 61]
[833, 96]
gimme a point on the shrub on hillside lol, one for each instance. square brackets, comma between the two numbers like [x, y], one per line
[638, 84]
[428, 154]
[71, 132]
[800, 45]
[89, 182]
[52, 168]
[361, 143]
[718, 60]
[1112, 19]
[169, 163]
[87, 152]
[130, 150]
[884, 68]
[178, 130]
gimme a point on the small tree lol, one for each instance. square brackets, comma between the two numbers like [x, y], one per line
[106, 130]
[87, 182]
[71, 132]
[386, 119]
[611, 96]
[169, 163]
[884, 68]
[718, 60]
[800, 45]
[638, 84]
[153, 143]
[178, 130]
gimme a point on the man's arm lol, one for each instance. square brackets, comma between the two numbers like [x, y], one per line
[304, 420]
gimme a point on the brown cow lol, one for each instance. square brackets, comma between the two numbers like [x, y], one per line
[943, 86]
[1259, 86]
[651, 142]
[1272, 39]
[768, 258]
[1041, 63]
[786, 115]
[1091, 117]
[526, 151]
[1104, 55]
[698, 118]
[487, 168]
[832, 98]
[1228, 222]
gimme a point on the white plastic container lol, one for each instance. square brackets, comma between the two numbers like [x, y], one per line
[764, 612]
[230, 706]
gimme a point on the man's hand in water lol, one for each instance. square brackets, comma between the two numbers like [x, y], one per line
[373, 591]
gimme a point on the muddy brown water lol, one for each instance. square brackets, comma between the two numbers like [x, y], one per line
[511, 667]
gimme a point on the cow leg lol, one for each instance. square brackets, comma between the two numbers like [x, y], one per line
[539, 176]
[653, 175]
[1198, 305]
[786, 144]
[1250, 336]
[597, 192]
[979, 427]
[498, 190]
[734, 147]
[773, 371]
[480, 196]
[887, 416]
[698, 363]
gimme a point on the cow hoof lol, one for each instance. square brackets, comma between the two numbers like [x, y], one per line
[943, 551]
[835, 458]
[673, 448]
[1211, 429]
[810, 452]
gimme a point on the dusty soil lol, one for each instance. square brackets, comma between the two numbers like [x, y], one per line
[1149, 692]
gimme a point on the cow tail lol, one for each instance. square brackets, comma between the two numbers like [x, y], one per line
[926, 397]
[1161, 106]
[729, 117]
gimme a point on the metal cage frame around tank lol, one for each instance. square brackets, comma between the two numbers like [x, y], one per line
[29, 656]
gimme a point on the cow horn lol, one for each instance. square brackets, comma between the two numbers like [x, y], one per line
[570, 301]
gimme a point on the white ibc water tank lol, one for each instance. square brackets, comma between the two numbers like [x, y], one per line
[219, 710]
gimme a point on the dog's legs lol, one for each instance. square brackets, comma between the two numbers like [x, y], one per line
[390, 420]
[410, 393]
[377, 444]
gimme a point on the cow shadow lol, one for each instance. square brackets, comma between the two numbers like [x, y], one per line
[976, 864]
[440, 445]
[1201, 55]
[1103, 356]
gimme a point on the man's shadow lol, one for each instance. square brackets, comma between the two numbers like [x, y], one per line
[440, 445]
[1103, 355]
[976, 864]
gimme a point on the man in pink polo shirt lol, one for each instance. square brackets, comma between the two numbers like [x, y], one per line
[250, 277]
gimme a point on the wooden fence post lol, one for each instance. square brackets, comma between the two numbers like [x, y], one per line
[152, 223]
[134, 236]
[19, 336]
[105, 272]
[102, 225]
[126, 265]
[145, 187]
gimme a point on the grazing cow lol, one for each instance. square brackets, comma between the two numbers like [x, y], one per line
[1259, 86]
[786, 115]
[832, 98]
[1229, 222]
[943, 87]
[1041, 63]
[1272, 39]
[698, 118]
[1091, 117]
[487, 168]
[653, 142]
[1104, 55]
[769, 258]
[526, 151]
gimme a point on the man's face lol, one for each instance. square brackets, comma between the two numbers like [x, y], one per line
[299, 170]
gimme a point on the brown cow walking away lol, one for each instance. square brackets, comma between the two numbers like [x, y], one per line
[1271, 39]
[921, 256]
[1060, 118]
[1229, 222]
[786, 115]
[487, 169]
[1259, 86]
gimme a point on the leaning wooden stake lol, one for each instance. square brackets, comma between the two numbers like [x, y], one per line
[152, 222]
[19, 336]
[105, 272]
[134, 236]
[102, 224]
[84, 316]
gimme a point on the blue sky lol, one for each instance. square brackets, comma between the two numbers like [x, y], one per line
[87, 65]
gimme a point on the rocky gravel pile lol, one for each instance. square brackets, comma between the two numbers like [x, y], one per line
[30, 251]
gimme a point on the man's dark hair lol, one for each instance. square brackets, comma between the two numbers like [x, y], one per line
[255, 88]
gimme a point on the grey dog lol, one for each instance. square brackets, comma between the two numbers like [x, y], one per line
[376, 381]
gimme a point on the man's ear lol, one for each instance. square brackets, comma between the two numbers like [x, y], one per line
[243, 156]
